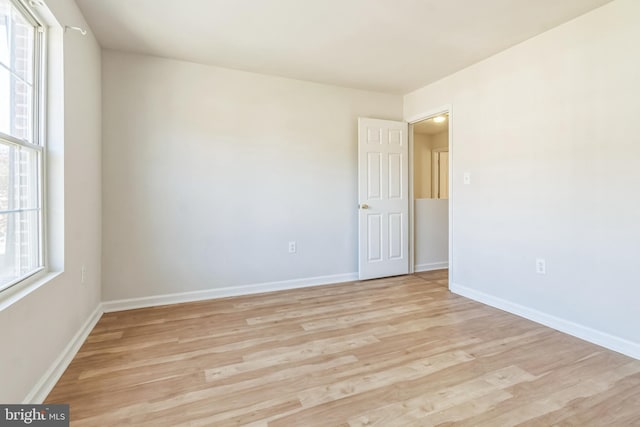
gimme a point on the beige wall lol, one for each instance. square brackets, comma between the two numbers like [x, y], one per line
[439, 140]
[210, 172]
[36, 329]
[548, 131]
[423, 145]
[421, 165]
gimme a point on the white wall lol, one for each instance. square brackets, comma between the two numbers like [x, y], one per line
[431, 234]
[210, 172]
[35, 330]
[549, 131]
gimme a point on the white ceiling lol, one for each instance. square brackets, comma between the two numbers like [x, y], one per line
[429, 127]
[386, 45]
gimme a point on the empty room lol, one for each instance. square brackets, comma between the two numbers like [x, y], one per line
[319, 213]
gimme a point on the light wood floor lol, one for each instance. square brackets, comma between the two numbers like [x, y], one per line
[394, 352]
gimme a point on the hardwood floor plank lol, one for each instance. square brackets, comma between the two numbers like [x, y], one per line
[358, 384]
[416, 409]
[401, 351]
[286, 355]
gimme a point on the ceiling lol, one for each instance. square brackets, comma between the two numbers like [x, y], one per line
[429, 127]
[392, 46]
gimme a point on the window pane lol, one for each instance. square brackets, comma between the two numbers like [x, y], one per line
[16, 106]
[16, 41]
[7, 197]
[19, 245]
[5, 18]
[23, 33]
[20, 165]
[19, 178]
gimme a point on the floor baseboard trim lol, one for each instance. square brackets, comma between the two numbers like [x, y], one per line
[46, 383]
[603, 339]
[231, 291]
[419, 268]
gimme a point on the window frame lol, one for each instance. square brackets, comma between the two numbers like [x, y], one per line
[38, 144]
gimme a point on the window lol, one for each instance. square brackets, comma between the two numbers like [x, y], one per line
[21, 143]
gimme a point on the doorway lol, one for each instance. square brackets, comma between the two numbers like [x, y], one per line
[430, 183]
[404, 198]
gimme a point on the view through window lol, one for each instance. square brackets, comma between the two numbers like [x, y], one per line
[21, 145]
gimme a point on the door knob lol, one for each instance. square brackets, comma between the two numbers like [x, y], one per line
[364, 206]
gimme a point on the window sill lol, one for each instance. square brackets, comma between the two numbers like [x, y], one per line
[10, 296]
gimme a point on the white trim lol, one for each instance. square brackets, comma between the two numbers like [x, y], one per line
[431, 266]
[15, 293]
[46, 383]
[229, 291]
[412, 202]
[611, 342]
[429, 113]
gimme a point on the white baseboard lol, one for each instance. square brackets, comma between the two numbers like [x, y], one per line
[46, 383]
[258, 288]
[418, 268]
[611, 342]
[44, 386]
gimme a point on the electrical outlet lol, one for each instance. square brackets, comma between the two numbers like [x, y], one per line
[541, 266]
[83, 273]
[292, 247]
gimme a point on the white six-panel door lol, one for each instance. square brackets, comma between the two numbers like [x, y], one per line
[383, 178]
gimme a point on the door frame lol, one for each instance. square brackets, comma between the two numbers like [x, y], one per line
[435, 179]
[447, 108]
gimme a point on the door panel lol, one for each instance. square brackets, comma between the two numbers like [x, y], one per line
[374, 174]
[395, 236]
[374, 230]
[383, 198]
[395, 176]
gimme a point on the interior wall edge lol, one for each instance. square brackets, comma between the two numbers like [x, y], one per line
[431, 266]
[43, 387]
[224, 292]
